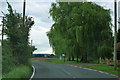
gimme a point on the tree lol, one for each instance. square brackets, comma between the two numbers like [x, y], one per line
[80, 29]
[16, 48]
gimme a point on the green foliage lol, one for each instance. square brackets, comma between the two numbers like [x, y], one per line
[6, 58]
[18, 72]
[16, 49]
[80, 29]
[105, 52]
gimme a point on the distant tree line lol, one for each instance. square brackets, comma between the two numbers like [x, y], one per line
[81, 30]
[16, 49]
[44, 55]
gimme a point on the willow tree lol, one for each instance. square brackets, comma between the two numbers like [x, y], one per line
[84, 27]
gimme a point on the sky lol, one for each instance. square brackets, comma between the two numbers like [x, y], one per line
[39, 10]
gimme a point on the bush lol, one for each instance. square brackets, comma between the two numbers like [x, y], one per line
[7, 61]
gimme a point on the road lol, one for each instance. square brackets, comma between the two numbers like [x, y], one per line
[53, 70]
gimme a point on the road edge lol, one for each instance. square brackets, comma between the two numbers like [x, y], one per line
[32, 73]
[96, 70]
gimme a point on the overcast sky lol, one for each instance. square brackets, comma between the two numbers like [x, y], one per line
[39, 10]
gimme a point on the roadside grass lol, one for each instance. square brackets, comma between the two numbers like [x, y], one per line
[56, 61]
[18, 72]
[49, 60]
[62, 61]
[71, 62]
[101, 67]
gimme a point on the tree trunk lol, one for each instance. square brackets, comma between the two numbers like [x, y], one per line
[73, 58]
[77, 59]
[69, 58]
[81, 60]
[64, 58]
[84, 58]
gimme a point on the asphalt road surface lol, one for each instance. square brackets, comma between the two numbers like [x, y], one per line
[52, 70]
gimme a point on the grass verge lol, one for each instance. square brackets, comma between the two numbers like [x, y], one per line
[18, 72]
[61, 61]
[103, 67]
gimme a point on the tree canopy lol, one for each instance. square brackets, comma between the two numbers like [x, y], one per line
[16, 48]
[80, 29]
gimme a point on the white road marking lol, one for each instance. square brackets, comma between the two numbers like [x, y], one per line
[85, 68]
[95, 70]
[75, 66]
[32, 73]
[67, 72]
[101, 72]
[90, 69]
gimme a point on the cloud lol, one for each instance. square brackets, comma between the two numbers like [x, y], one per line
[40, 39]
[49, 51]
[28, 0]
[101, 0]
[40, 13]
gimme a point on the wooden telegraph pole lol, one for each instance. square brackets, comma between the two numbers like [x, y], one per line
[115, 35]
[31, 42]
[24, 4]
[2, 31]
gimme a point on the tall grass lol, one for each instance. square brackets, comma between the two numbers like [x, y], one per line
[19, 72]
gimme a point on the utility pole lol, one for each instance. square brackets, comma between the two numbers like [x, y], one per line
[2, 31]
[115, 35]
[31, 42]
[24, 4]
